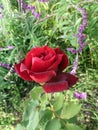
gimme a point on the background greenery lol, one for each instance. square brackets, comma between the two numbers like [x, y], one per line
[57, 25]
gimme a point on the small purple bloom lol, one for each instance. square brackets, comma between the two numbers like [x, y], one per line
[37, 15]
[77, 95]
[83, 95]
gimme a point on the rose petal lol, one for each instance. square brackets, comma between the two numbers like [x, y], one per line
[56, 63]
[39, 65]
[63, 81]
[34, 52]
[38, 52]
[64, 62]
[23, 72]
[42, 76]
[52, 87]
[72, 79]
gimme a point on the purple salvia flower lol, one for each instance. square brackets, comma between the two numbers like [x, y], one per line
[72, 50]
[77, 95]
[29, 8]
[80, 34]
[83, 95]
[75, 66]
[7, 66]
[37, 15]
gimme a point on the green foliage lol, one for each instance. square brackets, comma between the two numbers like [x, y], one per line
[73, 127]
[42, 112]
[58, 23]
[70, 109]
[58, 102]
[19, 127]
[53, 124]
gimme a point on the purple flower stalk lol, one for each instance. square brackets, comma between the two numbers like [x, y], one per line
[82, 95]
[29, 8]
[80, 34]
[75, 66]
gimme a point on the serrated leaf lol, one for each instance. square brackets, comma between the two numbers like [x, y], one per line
[70, 109]
[53, 124]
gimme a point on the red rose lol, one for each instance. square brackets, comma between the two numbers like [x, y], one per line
[42, 64]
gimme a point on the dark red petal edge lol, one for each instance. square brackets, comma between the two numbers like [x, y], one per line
[55, 86]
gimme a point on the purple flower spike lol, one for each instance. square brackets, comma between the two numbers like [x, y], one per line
[75, 66]
[80, 34]
[29, 8]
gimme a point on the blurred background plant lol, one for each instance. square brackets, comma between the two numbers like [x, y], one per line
[20, 30]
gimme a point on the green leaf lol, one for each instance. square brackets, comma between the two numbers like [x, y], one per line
[70, 109]
[73, 127]
[58, 101]
[33, 120]
[45, 116]
[53, 124]
[31, 115]
[35, 93]
[19, 127]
